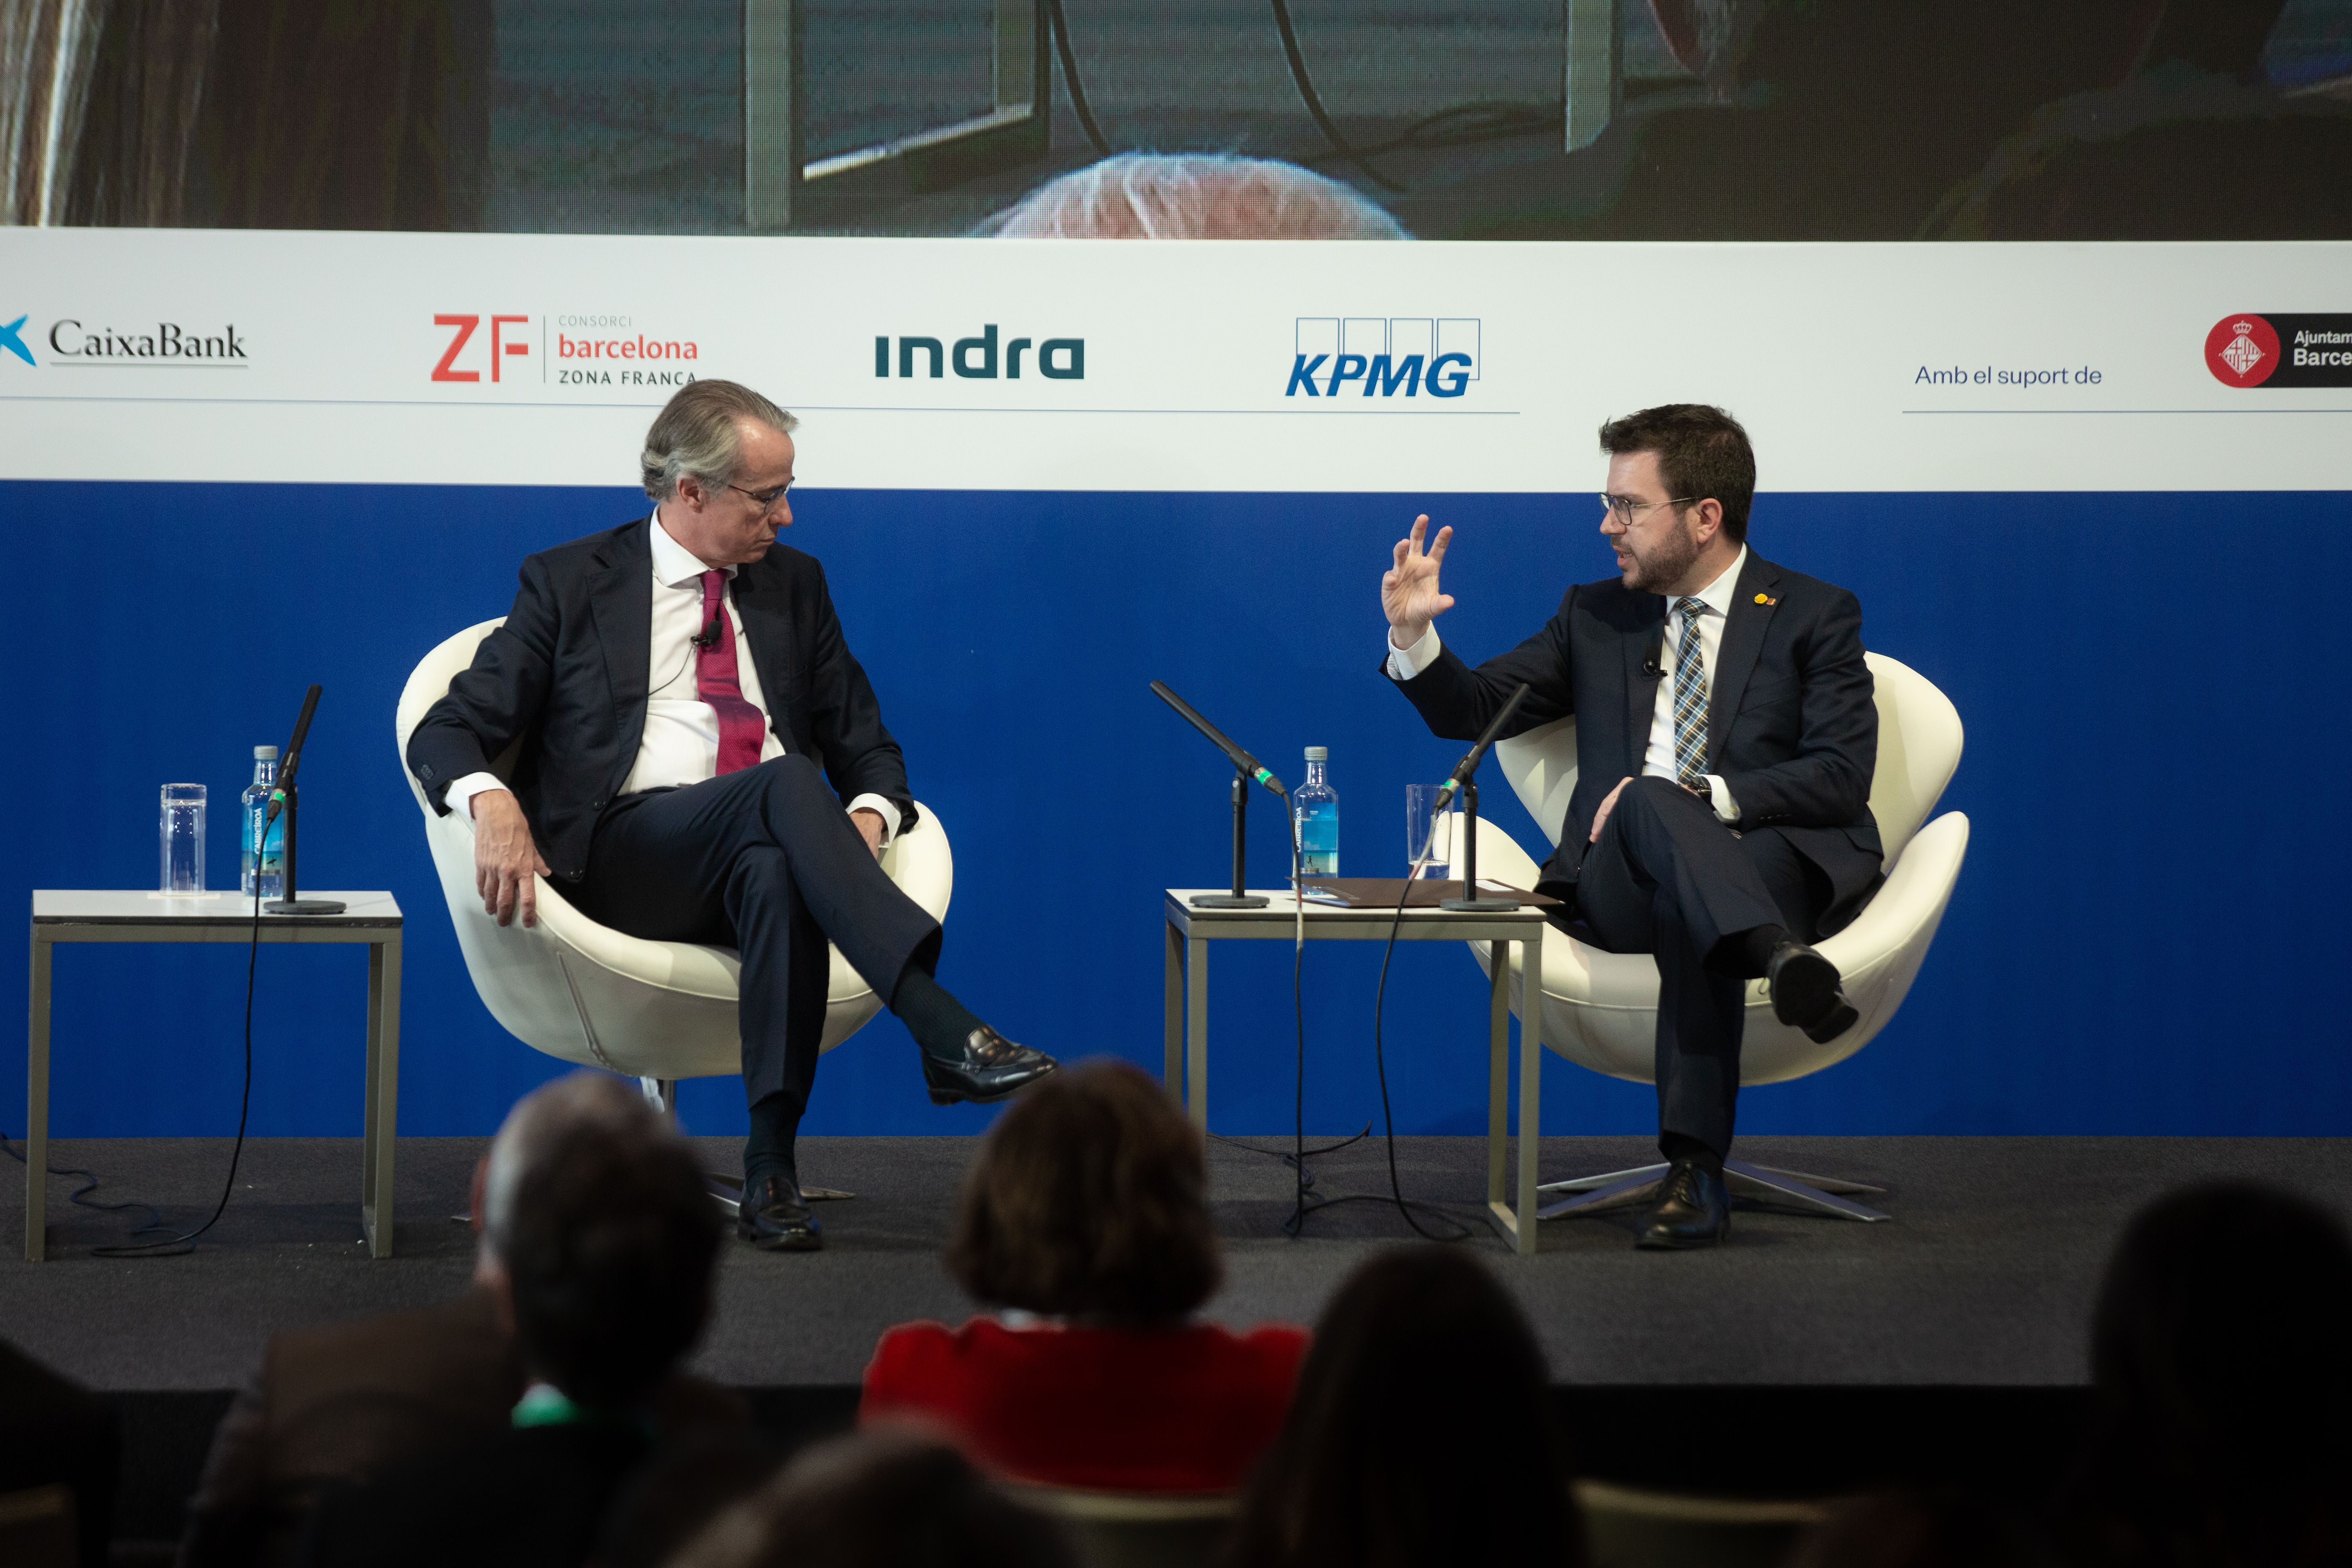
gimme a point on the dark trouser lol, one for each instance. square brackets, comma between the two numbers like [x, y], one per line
[1667, 879]
[764, 860]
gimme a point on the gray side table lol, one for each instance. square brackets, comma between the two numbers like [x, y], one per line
[113, 916]
[1186, 1010]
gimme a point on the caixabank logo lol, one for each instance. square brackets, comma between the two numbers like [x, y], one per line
[2273, 349]
[108, 346]
[1384, 356]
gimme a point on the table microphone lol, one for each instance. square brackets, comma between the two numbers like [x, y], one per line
[1241, 759]
[1478, 753]
[293, 758]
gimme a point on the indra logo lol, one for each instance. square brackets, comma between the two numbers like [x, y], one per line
[2274, 350]
[983, 358]
[1384, 356]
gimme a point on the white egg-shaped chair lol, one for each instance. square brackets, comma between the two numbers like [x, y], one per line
[1600, 1009]
[581, 992]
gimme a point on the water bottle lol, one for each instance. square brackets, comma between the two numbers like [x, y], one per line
[1318, 805]
[265, 873]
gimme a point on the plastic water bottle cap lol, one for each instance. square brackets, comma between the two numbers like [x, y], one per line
[1319, 753]
[265, 753]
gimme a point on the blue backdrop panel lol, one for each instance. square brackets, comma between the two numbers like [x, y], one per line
[2135, 946]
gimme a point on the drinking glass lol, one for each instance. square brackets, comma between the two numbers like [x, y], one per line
[1422, 822]
[182, 835]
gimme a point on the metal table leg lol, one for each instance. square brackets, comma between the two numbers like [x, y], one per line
[1196, 1031]
[382, 1114]
[1498, 1082]
[37, 1105]
[1172, 1014]
[1530, 1080]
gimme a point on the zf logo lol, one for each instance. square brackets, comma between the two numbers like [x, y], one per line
[501, 345]
[1384, 355]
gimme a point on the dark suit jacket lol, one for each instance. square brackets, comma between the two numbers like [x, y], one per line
[1792, 729]
[336, 1404]
[564, 681]
[533, 1497]
[53, 1430]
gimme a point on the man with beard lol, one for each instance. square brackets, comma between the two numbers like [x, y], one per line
[1726, 737]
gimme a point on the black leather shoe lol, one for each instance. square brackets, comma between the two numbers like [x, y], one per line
[991, 1069]
[1809, 993]
[1694, 1209]
[777, 1219]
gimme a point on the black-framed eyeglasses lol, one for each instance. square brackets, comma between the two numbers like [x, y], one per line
[1629, 511]
[765, 498]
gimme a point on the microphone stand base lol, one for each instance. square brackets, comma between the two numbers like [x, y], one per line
[1478, 906]
[303, 907]
[1226, 901]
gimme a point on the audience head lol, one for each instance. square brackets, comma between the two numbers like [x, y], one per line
[600, 1236]
[1422, 1432]
[2223, 1380]
[883, 1496]
[1089, 1199]
[1193, 195]
[1908, 1529]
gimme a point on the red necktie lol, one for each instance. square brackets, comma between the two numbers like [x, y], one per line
[741, 728]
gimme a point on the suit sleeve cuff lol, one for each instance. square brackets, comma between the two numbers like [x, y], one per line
[460, 794]
[1719, 793]
[882, 808]
[1404, 663]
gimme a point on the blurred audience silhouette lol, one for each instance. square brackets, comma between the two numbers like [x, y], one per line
[600, 1243]
[880, 1499]
[1422, 1434]
[2222, 1379]
[1085, 1215]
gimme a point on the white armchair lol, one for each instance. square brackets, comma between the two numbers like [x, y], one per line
[1600, 1008]
[581, 992]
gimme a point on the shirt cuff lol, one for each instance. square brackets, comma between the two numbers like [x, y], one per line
[880, 808]
[460, 796]
[1404, 663]
[1725, 808]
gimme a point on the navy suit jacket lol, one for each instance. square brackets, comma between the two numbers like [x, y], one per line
[1791, 728]
[562, 687]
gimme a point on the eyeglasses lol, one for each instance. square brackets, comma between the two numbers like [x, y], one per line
[765, 498]
[1629, 511]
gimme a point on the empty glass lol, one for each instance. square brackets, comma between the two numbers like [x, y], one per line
[1424, 829]
[182, 832]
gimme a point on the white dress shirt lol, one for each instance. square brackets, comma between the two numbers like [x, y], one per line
[681, 744]
[1658, 757]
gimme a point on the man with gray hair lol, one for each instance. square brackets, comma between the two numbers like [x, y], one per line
[671, 687]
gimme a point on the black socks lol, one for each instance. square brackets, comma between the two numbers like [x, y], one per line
[940, 1023]
[768, 1152]
[1678, 1146]
[1748, 955]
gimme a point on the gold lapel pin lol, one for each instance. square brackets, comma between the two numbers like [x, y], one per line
[1766, 599]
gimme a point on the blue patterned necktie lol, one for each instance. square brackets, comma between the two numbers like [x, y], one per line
[1690, 701]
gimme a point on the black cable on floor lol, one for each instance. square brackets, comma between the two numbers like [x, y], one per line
[89, 1185]
[1314, 102]
[1070, 76]
[1463, 125]
[181, 1245]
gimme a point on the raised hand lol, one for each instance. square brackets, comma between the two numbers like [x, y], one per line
[1409, 592]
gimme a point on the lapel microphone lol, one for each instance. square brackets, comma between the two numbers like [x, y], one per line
[708, 638]
[1653, 663]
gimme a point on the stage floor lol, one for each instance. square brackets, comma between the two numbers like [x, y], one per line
[1984, 1277]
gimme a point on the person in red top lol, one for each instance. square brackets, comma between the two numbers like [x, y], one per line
[1087, 1217]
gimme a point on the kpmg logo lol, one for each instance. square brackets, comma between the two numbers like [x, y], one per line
[12, 337]
[1384, 356]
[980, 358]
